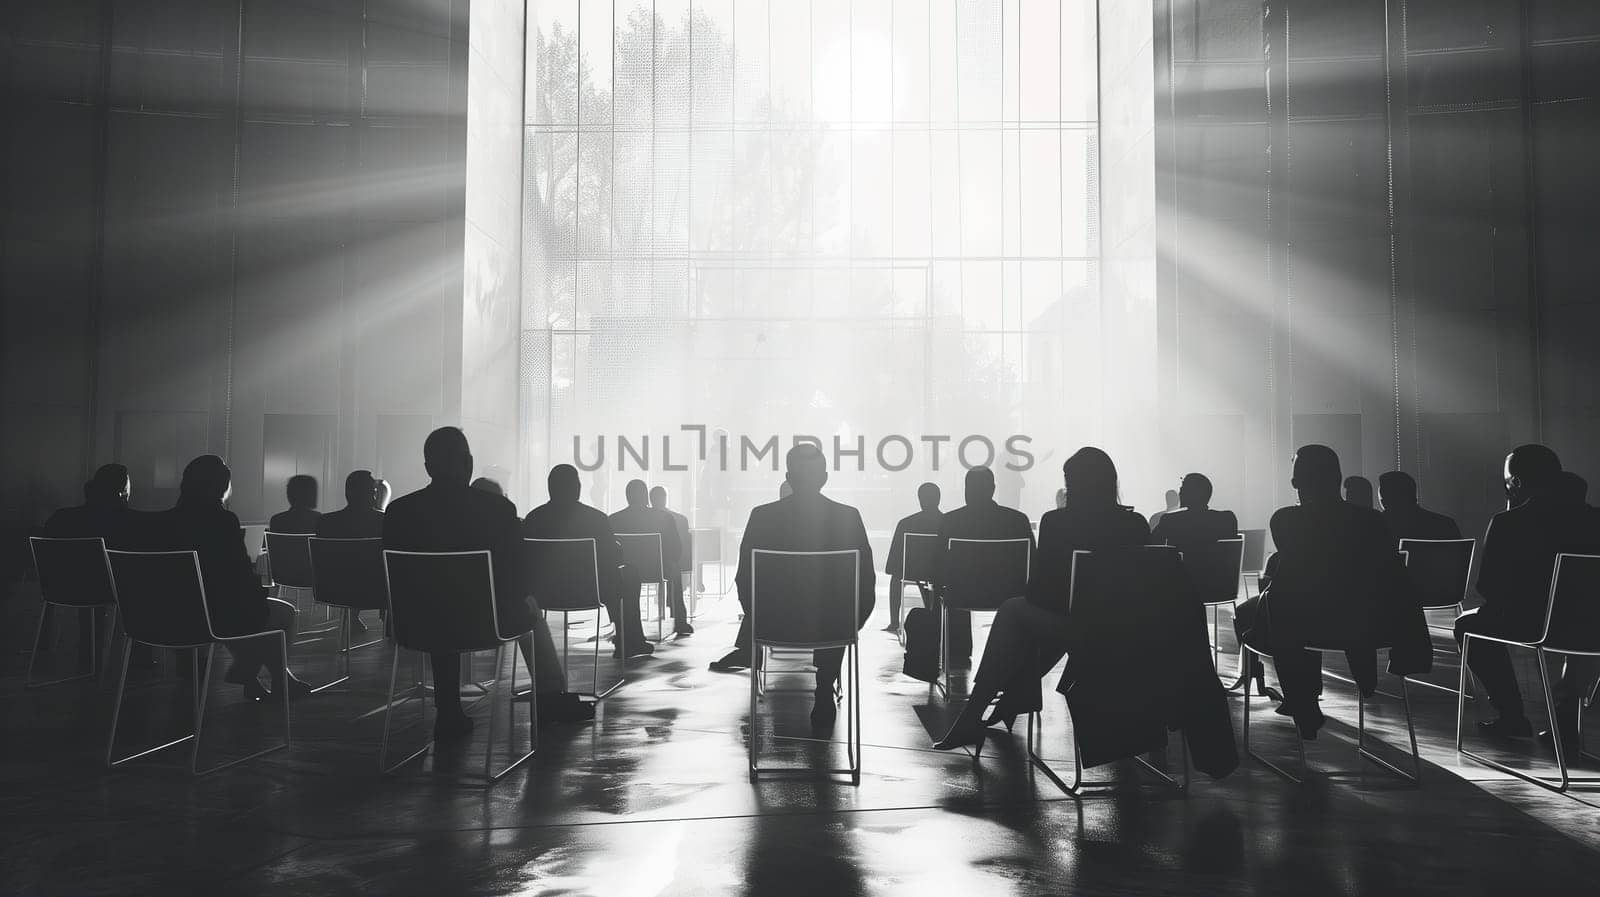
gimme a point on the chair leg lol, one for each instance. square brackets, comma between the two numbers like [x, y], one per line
[753, 732]
[116, 706]
[38, 637]
[1300, 743]
[343, 651]
[1565, 780]
[1415, 775]
[388, 715]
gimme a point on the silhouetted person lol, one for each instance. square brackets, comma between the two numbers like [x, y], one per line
[1406, 518]
[785, 490]
[493, 487]
[302, 516]
[1329, 579]
[360, 518]
[805, 521]
[1572, 489]
[235, 599]
[926, 520]
[1519, 552]
[639, 517]
[1196, 523]
[1030, 633]
[980, 518]
[1358, 491]
[449, 515]
[680, 523]
[565, 517]
[104, 514]
[1061, 498]
[1173, 504]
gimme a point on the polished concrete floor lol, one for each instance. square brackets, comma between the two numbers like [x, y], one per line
[653, 799]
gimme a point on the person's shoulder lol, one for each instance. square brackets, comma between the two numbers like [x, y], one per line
[1134, 519]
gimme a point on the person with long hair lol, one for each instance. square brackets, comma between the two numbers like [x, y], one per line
[1029, 635]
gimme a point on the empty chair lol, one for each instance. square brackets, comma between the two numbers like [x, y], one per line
[980, 575]
[1440, 571]
[705, 547]
[642, 552]
[348, 574]
[289, 555]
[73, 573]
[563, 577]
[1571, 628]
[444, 602]
[808, 600]
[1214, 572]
[162, 600]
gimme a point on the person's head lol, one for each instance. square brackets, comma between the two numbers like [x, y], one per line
[493, 487]
[1358, 491]
[637, 494]
[1061, 498]
[380, 493]
[1531, 470]
[1173, 499]
[1316, 473]
[109, 487]
[807, 469]
[1572, 489]
[564, 484]
[658, 497]
[361, 489]
[1397, 490]
[928, 496]
[980, 485]
[1194, 492]
[1090, 479]
[447, 456]
[302, 491]
[206, 482]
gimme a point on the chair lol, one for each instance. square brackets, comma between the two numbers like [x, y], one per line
[444, 602]
[563, 577]
[162, 599]
[73, 573]
[980, 575]
[1440, 571]
[1571, 628]
[255, 539]
[1132, 597]
[1215, 571]
[1255, 557]
[348, 574]
[705, 547]
[289, 559]
[919, 561]
[642, 553]
[808, 600]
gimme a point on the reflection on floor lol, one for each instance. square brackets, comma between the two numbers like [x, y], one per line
[653, 799]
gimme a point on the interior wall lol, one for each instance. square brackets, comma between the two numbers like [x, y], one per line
[230, 227]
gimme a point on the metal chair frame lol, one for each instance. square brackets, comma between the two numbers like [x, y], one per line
[101, 664]
[599, 611]
[658, 586]
[944, 604]
[202, 684]
[348, 613]
[923, 579]
[851, 669]
[1541, 649]
[300, 588]
[1458, 607]
[1233, 602]
[490, 775]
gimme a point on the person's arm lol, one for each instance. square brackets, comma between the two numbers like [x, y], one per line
[747, 544]
[868, 575]
[1494, 579]
[671, 548]
[892, 564]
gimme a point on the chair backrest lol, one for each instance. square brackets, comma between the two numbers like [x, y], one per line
[1439, 568]
[919, 557]
[805, 599]
[348, 573]
[562, 574]
[442, 601]
[705, 544]
[255, 538]
[642, 553]
[981, 574]
[290, 556]
[1573, 620]
[1255, 549]
[1128, 606]
[1214, 569]
[161, 597]
[73, 572]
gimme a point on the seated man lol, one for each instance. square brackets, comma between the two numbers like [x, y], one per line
[1540, 521]
[980, 518]
[1407, 519]
[639, 517]
[302, 516]
[1332, 574]
[360, 518]
[804, 521]
[449, 515]
[103, 514]
[927, 520]
[1195, 523]
[564, 517]
[680, 523]
[1358, 491]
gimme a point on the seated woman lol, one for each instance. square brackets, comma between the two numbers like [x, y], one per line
[235, 598]
[1029, 634]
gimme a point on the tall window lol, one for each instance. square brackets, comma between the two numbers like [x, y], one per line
[814, 217]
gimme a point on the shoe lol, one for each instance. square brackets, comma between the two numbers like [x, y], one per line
[643, 649]
[1001, 717]
[823, 714]
[953, 740]
[294, 688]
[891, 628]
[734, 661]
[564, 707]
[683, 629]
[1310, 722]
[1507, 727]
[452, 726]
[1569, 740]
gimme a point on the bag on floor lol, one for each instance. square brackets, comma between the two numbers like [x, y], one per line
[922, 645]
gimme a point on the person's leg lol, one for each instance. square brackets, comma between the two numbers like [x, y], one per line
[960, 622]
[1491, 663]
[539, 651]
[1022, 637]
[624, 610]
[895, 587]
[446, 683]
